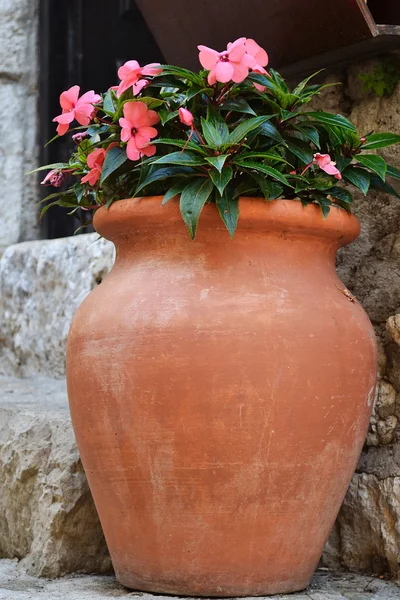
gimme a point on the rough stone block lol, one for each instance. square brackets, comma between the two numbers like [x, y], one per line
[47, 515]
[42, 284]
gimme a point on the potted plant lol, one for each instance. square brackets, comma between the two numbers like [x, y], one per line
[220, 389]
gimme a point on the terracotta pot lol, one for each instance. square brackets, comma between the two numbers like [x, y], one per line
[220, 393]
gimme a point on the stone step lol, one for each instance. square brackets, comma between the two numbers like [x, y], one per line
[47, 515]
[326, 585]
[42, 283]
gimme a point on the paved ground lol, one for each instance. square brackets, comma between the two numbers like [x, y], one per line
[326, 586]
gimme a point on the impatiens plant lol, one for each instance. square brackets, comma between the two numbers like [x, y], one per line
[234, 129]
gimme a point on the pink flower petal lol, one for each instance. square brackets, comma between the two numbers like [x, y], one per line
[322, 159]
[211, 78]
[62, 129]
[84, 113]
[208, 57]
[69, 98]
[152, 117]
[224, 71]
[144, 135]
[151, 69]
[65, 118]
[131, 150]
[257, 52]
[96, 158]
[237, 50]
[89, 98]
[136, 113]
[240, 72]
[139, 85]
[128, 67]
[126, 134]
[149, 150]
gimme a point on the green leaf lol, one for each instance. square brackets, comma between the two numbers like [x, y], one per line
[173, 191]
[217, 161]
[329, 119]
[269, 130]
[228, 208]
[342, 163]
[381, 186]
[188, 159]
[380, 140]
[238, 105]
[341, 194]
[373, 162]
[274, 173]
[152, 103]
[269, 189]
[183, 73]
[193, 198]
[55, 166]
[78, 191]
[214, 136]
[164, 173]
[358, 177]
[237, 135]
[180, 144]
[309, 132]
[115, 157]
[166, 115]
[264, 155]
[297, 90]
[221, 180]
[392, 172]
[325, 205]
[300, 149]
[108, 104]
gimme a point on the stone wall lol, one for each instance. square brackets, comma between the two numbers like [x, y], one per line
[19, 122]
[367, 532]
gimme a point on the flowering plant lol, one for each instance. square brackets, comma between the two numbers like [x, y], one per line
[231, 130]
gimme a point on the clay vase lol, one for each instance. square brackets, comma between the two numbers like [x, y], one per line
[220, 393]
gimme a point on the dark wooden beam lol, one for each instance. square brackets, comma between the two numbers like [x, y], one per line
[290, 30]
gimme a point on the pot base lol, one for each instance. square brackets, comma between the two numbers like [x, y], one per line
[187, 588]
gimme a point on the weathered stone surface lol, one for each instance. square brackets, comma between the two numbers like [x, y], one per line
[18, 137]
[367, 532]
[383, 421]
[42, 283]
[326, 585]
[47, 515]
[393, 328]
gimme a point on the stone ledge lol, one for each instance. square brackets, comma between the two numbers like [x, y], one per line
[47, 515]
[326, 585]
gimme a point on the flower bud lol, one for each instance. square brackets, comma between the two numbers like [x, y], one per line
[186, 117]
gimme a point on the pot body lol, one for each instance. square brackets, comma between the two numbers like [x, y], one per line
[220, 393]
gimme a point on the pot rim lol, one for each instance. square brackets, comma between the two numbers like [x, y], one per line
[255, 214]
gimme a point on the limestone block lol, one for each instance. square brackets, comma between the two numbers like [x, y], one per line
[393, 328]
[42, 283]
[47, 515]
[366, 536]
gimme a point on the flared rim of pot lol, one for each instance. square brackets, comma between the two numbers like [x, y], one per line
[255, 214]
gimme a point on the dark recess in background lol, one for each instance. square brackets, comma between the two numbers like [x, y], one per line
[83, 42]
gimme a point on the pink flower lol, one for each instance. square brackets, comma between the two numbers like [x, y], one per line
[95, 162]
[130, 74]
[137, 130]
[255, 55]
[186, 117]
[78, 137]
[325, 163]
[54, 177]
[234, 63]
[225, 66]
[73, 107]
